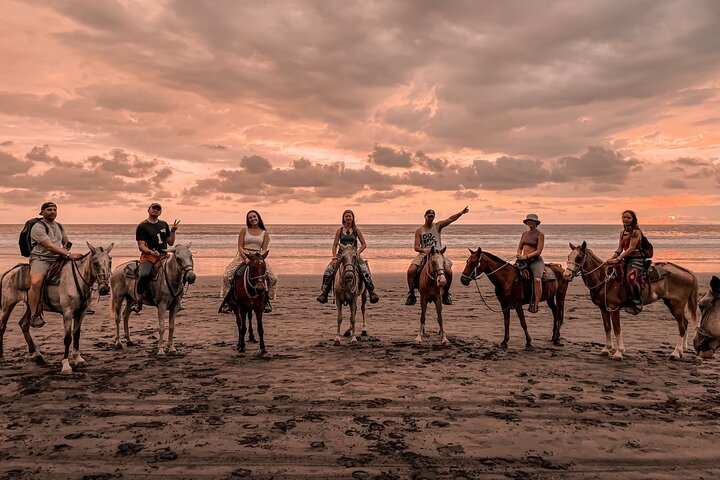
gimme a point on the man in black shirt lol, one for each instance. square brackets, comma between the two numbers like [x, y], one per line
[153, 237]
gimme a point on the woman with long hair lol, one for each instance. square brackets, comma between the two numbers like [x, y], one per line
[347, 234]
[630, 252]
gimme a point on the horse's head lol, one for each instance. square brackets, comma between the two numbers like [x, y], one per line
[184, 259]
[472, 266]
[102, 266]
[348, 263]
[576, 261]
[436, 266]
[257, 270]
[707, 337]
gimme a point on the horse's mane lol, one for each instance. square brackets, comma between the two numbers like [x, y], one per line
[494, 257]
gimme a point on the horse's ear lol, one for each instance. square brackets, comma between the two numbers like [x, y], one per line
[341, 248]
[92, 249]
[110, 247]
[265, 254]
[572, 247]
[715, 284]
[583, 246]
[189, 245]
[443, 250]
[471, 251]
[432, 250]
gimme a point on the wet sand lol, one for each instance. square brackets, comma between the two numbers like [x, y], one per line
[383, 409]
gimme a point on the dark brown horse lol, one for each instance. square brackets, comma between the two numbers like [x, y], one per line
[678, 289]
[432, 281]
[247, 295]
[513, 292]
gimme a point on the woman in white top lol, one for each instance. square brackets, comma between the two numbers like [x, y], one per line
[253, 238]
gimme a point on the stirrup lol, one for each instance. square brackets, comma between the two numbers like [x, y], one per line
[322, 298]
[374, 297]
[447, 299]
[411, 299]
[37, 321]
[137, 306]
[268, 307]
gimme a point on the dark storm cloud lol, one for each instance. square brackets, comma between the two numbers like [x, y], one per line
[255, 164]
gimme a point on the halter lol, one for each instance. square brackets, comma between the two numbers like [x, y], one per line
[583, 273]
[351, 267]
[100, 278]
[184, 270]
[435, 273]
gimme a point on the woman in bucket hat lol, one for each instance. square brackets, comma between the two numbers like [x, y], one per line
[530, 248]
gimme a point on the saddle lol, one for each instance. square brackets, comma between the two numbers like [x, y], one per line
[132, 268]
[656, 272]
[526, 274]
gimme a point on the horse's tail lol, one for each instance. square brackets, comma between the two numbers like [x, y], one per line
[692, 303]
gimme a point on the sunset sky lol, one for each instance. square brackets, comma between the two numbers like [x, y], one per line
[574, 110]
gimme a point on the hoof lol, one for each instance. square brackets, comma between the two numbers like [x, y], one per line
[353, 341]
[160, 353]
[252, 340]
[130, 342]
[79, 361]
[445, 341]
[503, 345]
[675, 356]
[418, 340]
[605, 352]
[263, 352]
[337, 341]
[172, 349]
[529, 348]
[557, 343]
[347, 333]
[118, 346]
[66, 369]
[364, 333]
[617, 355]
[241, 349]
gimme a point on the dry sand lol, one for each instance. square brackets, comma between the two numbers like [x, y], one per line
[383, 409]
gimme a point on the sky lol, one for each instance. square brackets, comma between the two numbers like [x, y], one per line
[571, 110]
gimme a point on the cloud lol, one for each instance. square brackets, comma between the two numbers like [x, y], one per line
[675, 183]
[597, 164]
[381, 197]
[12, 165]
[389, 157]
[255, 164]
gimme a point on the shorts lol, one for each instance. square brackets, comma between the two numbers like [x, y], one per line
[537, 267]
[39, 266]
[419, 257]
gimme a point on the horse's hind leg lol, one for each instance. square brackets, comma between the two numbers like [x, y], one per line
[338, 303]
[126, 323]
[438, 308]
[6, 311]
[423, 311]
[615, 318]
[68, 326]
[260, 330]
[523, 324]
[33, 353]
[117, 308]
[77, 358]
[161, 330]
[506, 324]
[171, 329]
[679, 313]
[556, 323]
[251, 335]
[607, 326]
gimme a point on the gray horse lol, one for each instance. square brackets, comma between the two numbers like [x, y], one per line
[70, 298]
[348, 288]
[166, 290]
[707, 337]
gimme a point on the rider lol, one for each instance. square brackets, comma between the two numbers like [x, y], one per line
[530, 247]
[48, 238]
[153, 237]
[629, 251]
[347, 234]
[426, 237]
[253, 238]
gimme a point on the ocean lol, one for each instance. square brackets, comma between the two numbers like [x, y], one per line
[306, 249]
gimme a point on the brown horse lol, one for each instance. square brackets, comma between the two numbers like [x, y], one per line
[707, 338]
[512, 292]
[247, 295]
[678, 289]
[432, 281]
[348, 288]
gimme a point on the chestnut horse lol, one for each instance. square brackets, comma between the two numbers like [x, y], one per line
[678, 289]
[247, 296]
[512, 292]
[432, 281]
[707, 338]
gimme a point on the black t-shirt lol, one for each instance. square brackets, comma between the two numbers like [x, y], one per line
[154, 234]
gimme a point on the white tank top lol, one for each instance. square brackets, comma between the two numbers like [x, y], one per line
[253, 243]
[431, 238]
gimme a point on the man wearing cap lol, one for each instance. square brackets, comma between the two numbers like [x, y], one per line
[49, 239]
[530, 248]
[426, 237]
[153, 237]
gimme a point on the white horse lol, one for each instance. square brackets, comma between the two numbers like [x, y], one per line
[348, 288]
[166, 290]
[69, 298]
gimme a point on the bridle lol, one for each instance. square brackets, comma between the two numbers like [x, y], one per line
[580, 270]
[252, 282]
[474, 277]
[351, 268]
[100, 278]
[705, 315]
[183, 279]
[436, 272]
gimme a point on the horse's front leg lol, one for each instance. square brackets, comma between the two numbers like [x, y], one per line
[353, 311]
[338, 304]
[438, 308]
[67, 324]
[260, 330]
[126, 323]
[615, 317]
[607, 326]
[242, 328]
[251, 334]
[423, 311]
[162, 308]
[506, 323]
[171, 328]
[77, 358]
[523, 324]
[364, 298]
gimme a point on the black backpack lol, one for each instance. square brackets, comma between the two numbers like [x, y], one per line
[25, 241]
[646, 248]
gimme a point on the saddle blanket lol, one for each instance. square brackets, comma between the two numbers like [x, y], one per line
[657, 272]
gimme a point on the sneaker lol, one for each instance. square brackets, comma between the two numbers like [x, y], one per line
[447, 299]
[137, 306]
[268, 307]
[373, 297]
[37, 321]
[225, 308]
[322, 298]
[89, 311]
[411, 300]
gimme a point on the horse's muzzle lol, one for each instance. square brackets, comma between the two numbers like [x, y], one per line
[191, 277]
[568, 274]
[104, 289]
[465, 280]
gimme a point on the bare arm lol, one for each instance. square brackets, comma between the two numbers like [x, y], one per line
[171, 237]
[540, 246]
[363, 245]
[634, 241]
[519, 250]
[47, 243]
[266, 242]
[241, 242]
[418, 248]
[336, 241]
[444, 223]
[143, 247]
[618, 250]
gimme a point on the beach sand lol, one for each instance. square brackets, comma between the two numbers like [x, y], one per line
[383, 409]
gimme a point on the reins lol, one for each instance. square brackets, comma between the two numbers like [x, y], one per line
[185, 270]
[474, 276]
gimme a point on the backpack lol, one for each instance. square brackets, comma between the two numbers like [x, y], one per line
[25, 241]
[646, 248]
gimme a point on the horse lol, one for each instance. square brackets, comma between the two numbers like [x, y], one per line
[512, 292]
[707, 337]
[432, 281]
[247, 295]
[348, 287]
[678, 289]
[166, 288]
[70, 298]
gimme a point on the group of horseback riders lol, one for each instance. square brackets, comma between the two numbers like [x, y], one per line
[50, 243]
